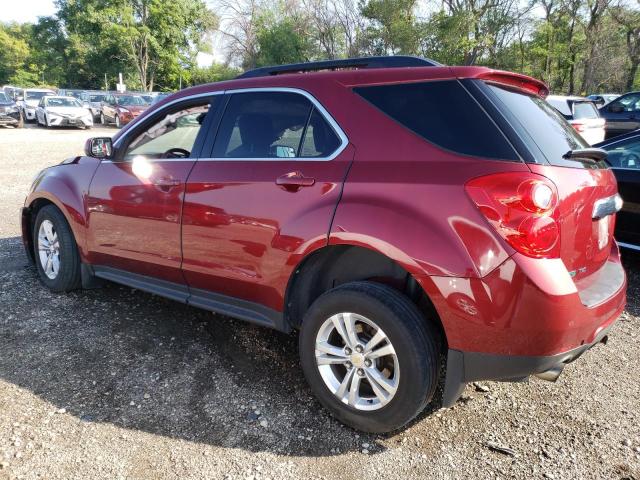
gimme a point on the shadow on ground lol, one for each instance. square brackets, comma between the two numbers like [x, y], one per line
[142, 362]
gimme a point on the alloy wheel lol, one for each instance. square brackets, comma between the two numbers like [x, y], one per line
[357, 361]
[49, 249]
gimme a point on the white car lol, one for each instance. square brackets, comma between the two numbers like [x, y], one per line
[582, 114]
[30, 99]
[55, 111]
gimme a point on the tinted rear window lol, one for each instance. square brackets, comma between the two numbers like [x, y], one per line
[540, 123]
[584, 110]
[443, 113]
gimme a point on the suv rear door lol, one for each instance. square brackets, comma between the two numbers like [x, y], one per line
[266, 193]
[622, 115]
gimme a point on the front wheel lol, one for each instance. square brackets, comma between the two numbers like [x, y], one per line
[56, 252]
[370, 356]
[103, 120]
[118, 123]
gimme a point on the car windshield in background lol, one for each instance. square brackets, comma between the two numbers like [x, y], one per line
[96, 98]
[538, 121]
[4, 98]
[35, 95]
[130, 100]
[62, 102]
[583, 110]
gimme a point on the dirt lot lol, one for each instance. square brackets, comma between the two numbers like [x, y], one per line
[115, 383]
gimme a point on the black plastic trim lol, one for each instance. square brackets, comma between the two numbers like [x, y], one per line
[464, 367]
[214, 302]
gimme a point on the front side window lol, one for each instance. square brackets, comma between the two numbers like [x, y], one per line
[273, 125]
[173, 136]
[443, 113]
[630, 103]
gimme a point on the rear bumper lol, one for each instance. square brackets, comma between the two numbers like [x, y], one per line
[465, 367]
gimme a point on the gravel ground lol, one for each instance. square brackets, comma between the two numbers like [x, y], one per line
[115, 383]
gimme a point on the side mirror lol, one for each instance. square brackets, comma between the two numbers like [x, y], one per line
[616, 108]
[98, 147]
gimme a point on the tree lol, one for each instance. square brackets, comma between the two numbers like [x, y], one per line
[393, 28]
[283, 41]
[14, 50]
[629, 20]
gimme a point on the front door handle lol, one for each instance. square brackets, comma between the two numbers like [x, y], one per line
[294, 181]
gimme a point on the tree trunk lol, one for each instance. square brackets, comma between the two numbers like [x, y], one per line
[632, 74]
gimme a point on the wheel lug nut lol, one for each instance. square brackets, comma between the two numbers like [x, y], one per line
[347, 350]
[367, 363]
[361, 372]
[359, 348]
[349, 365]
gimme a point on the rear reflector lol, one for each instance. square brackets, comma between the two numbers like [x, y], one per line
[522, 207]
[579, 127]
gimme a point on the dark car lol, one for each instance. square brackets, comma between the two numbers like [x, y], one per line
[9, 112]
[121, 108]
[349, 200]
[624, 158]
[622, 115]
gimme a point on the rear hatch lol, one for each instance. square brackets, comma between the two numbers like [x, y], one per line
[587, 189]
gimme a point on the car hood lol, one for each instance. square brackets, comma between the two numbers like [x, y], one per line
[77, 111]
[7, 104]
[32, 103]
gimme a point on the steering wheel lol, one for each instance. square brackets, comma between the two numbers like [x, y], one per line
[176, 153]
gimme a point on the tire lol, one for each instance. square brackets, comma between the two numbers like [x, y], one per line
[20, 122]
[67, 277]
[118, 123]
[103, 120]
[415, 358]
[46, 122]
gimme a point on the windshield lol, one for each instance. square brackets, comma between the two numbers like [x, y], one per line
[3, 97]
[540, 124]
[130, 100]
[62, 102]
[35, 95]
[95, 98]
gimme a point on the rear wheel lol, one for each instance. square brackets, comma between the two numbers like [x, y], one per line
[118, 124]
[369, 355]
[56, 252]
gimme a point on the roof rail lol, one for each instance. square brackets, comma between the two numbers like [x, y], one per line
[355, 63]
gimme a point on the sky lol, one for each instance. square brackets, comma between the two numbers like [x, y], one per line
[26, 10]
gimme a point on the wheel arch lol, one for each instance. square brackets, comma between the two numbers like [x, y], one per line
[333, 265]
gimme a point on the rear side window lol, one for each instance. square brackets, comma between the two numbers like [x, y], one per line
[443, 113]
[584, 110]
[319, 139]
[540, 123]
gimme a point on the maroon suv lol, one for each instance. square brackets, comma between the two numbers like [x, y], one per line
[397, 212]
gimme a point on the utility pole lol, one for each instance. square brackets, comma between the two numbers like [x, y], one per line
[106, 84]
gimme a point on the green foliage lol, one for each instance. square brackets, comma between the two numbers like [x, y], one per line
[281, 41]
[393, 28]
[214, 73]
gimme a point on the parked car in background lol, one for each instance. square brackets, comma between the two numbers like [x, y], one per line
[603, 99]
[9, 112]
[159, 97]
[622, 115]
[12, 92]
[624, 158]
[70, 92]
[148, 99]
[121, 108]
[30, 100]
[285, 199]
[582, 114]
[58, 111]
[93, 101]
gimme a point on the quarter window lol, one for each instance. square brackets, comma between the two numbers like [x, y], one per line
[443, 113]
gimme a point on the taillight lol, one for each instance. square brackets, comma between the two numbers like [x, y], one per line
[579, 127]
[522, 207]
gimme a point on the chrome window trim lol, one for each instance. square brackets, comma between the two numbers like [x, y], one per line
[344, 140]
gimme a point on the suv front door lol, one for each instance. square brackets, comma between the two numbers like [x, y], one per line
[622, 115]
[267, 193]
[135, 200]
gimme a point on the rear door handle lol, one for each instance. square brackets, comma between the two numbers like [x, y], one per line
[166, 183]
[294, 181]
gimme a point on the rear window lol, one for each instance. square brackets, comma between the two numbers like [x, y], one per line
[444, 113]
[539, 123]
[561, 105]
[584, 110]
